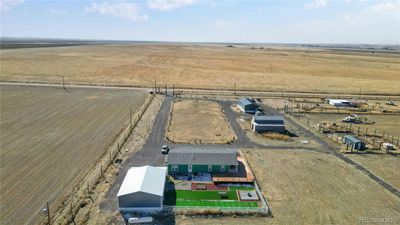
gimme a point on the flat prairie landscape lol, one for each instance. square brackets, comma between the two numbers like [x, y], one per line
[50, 138]
[199, 122]
[208, 66]
[385, 166]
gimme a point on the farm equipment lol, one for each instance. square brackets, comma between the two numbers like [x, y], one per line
[389, 102]
[353, 118]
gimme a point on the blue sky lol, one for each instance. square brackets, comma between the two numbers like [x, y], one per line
[308, 21]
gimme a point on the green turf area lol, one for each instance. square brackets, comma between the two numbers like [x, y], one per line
[206, 198]
[247, 188]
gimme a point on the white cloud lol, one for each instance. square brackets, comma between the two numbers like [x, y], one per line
[165, 5]
[7, 5]
[315, 4]
[56, 12]
[378, 23]
[123, 10]
[389, 11]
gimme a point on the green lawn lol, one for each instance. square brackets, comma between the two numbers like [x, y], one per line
[206, 198]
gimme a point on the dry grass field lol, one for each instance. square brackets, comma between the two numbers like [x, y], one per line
[199, 122]
[50, 138]
[385, 166]
[304, 187]
[215, 67]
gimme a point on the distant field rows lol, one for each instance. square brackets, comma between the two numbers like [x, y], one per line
[211, 67]
[50, 137]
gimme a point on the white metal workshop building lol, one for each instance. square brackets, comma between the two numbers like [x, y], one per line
[142, 189]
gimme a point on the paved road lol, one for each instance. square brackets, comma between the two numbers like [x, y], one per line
[150, 153]
[332, 149]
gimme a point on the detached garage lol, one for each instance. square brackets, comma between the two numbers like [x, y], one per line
[262, 123]
[142, 189]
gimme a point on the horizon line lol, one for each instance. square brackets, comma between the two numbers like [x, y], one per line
[194, 42]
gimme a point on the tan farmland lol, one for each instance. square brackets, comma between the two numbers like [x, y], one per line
[304, 187]
[50, 138]
[198, 122]
[215, 67]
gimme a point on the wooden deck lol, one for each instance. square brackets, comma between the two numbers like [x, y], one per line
[244, 173]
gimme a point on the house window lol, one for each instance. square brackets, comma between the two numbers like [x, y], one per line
[209, 168]
[174, 168]
[189, 168]
[222, 168]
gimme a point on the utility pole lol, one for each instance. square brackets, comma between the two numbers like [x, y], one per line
[48, 213]
[130, 116]
[234, 89]
[63, 83]
[155, 84]
[374, 137]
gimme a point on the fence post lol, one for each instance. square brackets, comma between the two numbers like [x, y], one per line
[48, 213]
[72, 215]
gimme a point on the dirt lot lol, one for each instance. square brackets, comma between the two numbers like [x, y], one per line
[199, 122]
[385, 166]
[50, 137]
[383, 123]
[208, 67]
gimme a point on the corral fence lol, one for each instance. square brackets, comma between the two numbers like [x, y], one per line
[372, 136]
[265, 94]
[85, 190]
[302, 108]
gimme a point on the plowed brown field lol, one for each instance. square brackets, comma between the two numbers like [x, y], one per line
[50, 138]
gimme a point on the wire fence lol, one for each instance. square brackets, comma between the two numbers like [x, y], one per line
[372, 136]
[85, 189]
[213, 209]
[266, 94]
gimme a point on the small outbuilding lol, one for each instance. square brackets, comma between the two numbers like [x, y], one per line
[202, 160]
[353, 143]
[247, 105]
[142, 189]
[264, 123]
[340, 103]
[387, 146]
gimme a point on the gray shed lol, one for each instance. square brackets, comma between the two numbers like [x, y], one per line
[142, 189]
[353, 143]
[263, 123]
[247, 105]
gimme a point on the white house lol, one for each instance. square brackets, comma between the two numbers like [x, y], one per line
[142, 189]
